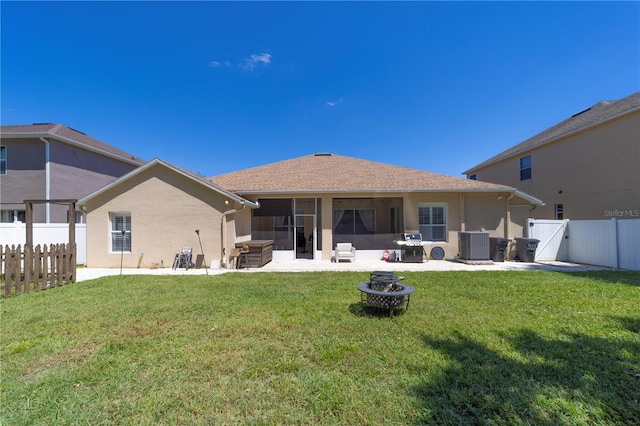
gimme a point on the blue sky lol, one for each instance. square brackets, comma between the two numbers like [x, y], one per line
[216, 87]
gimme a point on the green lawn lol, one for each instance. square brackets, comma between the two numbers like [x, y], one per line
[544, 348]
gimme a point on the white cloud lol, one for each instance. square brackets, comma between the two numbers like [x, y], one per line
[253, 61]
[218, 64]
[248, 64]
[333, 103]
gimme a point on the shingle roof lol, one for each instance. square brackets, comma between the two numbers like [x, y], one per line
[62, 132]
[598, 113]
[158, 162]
[337, 173]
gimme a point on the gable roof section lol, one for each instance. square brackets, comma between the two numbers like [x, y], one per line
[599, 113]
[331, 173]
[189, 175]
[70, 136]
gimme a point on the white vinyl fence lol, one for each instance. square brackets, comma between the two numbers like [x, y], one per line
[614, 243]
[45, 233]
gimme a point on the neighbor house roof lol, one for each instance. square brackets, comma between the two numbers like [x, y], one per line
[70, 136]
[597, 114]
[189, 175]
[331, 173]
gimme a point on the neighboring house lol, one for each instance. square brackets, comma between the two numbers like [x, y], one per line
[305, 205]
[52, 161]
[159, 206]
[586, 167]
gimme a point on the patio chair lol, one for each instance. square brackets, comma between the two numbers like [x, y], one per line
[237, 257]
[183, 259]
[345, 251]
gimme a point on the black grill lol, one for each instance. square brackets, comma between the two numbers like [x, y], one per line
[413, 250]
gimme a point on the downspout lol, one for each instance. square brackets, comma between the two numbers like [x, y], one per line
[463, 213]
[507, 224]
[507, 216]
[223, 226]
[47, 171]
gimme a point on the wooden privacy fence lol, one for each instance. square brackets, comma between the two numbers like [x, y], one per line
[24, 269]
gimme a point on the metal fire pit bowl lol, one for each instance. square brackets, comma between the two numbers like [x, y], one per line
[383, 291]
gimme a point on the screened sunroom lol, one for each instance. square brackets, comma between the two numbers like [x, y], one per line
[295, 224]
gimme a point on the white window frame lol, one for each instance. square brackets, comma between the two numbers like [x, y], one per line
[426, 229]
[115, 231]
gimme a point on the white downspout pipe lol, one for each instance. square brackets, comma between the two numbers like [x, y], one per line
[47, 171]
[223, 226]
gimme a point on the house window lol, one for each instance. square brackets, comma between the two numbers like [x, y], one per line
[119, 241]
[559, 212]
[80, 217]
[354, 222]
[473, 177]
[3, 160]
[525, 168]
[432, 220]
[9, 216]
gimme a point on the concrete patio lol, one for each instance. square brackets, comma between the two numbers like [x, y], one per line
[84, 274]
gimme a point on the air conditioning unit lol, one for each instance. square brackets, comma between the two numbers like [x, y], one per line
[474, 245]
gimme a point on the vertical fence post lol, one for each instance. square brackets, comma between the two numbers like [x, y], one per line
[29, 218]
[46, 277]
[616, 242]
[60, 266]
[3, 268]
[37, 270]
[17, 268]
[27, 267]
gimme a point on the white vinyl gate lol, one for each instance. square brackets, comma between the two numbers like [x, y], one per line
[614, 243]
[553, 238]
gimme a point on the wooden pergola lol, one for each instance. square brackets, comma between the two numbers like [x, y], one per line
[71, 218]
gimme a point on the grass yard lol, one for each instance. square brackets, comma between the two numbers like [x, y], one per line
[494, 348]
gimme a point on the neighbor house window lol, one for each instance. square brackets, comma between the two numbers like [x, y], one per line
[559, 211]
[432, 220]
[473, 177]
[9, 216]
[80, 217]
[119, 241]
[3, 160]
[525, 168]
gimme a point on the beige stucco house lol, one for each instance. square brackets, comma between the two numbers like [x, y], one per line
[159, 206]
[304, 205]
[586, 167]
[310, 203]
